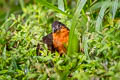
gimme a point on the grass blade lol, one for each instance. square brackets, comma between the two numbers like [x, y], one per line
[45, 3]
[61, 5]
[85, 43]
[73, 26]
[114, 8]
[4, 53]
[65, 4]
[100, 17]
[100, 4]
[21, 4]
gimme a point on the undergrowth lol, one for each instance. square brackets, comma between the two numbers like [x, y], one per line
[97, 57]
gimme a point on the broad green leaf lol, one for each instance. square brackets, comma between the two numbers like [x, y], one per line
[73, 26]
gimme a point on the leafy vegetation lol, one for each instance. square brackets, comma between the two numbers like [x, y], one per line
[94, 25]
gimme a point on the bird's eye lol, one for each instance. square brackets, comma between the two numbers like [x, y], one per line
[59, 26]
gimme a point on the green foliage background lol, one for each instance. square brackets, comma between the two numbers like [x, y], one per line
[94, 25]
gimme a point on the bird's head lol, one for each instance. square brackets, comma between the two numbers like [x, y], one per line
[56, 26]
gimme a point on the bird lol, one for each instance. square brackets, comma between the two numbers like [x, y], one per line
[60, 35]
[57, 40]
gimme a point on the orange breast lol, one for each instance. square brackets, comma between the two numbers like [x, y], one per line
[60, 40]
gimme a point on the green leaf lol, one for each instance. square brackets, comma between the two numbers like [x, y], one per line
[114, 8]
[85, 43]
[46, 4]
[4, 53]
[61, 5]
[100, 16]
[100, 4]
[65, 4]
[22, 4]
[31, 76]
[80, 6]
[3, 71]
